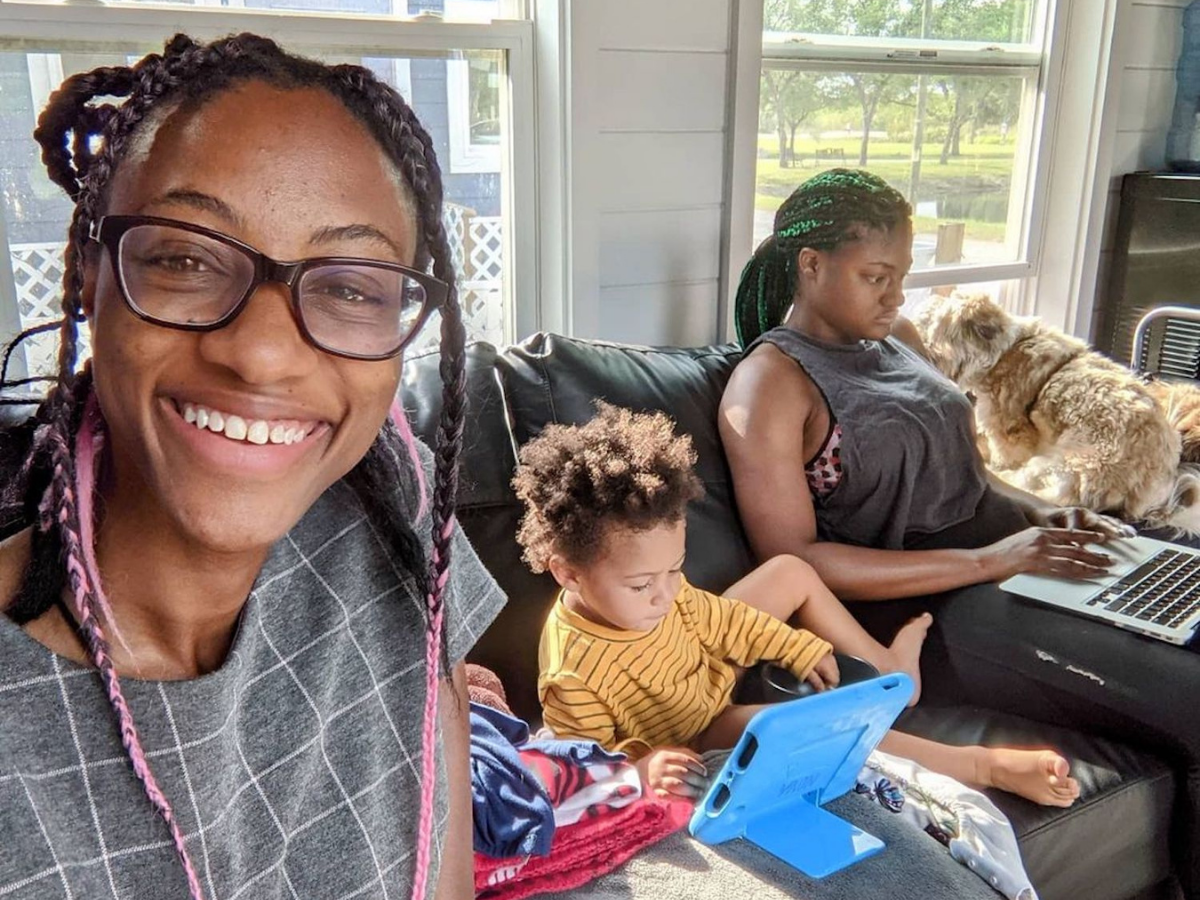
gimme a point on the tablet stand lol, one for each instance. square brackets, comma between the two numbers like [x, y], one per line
[792, 758]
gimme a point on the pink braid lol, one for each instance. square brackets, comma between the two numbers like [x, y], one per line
[84, 592]
[410, 444]
[89, 444]
[433, 644]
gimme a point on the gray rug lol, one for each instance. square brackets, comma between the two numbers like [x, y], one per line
[913, 866]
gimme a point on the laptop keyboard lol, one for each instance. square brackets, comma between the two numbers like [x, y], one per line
[1165, 590]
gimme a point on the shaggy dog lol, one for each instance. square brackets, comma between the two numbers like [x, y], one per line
[1058, 419]
[1180, 402]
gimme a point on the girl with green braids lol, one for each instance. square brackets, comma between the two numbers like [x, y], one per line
[831, 386]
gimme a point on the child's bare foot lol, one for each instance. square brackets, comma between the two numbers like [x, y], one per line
[1038, 775]
[905, 651]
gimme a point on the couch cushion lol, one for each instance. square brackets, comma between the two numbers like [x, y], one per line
[1115, 837]
[488, 456]
[1030, 659]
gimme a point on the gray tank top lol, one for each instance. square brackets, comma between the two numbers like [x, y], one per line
[909, 464]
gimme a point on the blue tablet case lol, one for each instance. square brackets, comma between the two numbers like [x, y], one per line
[792, 758]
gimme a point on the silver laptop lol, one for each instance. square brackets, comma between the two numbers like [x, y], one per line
[1153, 588]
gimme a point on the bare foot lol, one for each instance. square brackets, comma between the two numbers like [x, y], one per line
[1038, 775]
[905, 651]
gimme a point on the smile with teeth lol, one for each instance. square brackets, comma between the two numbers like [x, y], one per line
[256, 431]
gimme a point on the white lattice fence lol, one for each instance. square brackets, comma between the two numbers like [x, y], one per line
[477, 248]
[486, 249]
[455, 218]
[480, 290]
[38, 273]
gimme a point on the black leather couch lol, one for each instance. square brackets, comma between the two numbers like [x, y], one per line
[1112, 844]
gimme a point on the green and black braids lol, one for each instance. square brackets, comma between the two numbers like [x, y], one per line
[94, 124]
[830, 209]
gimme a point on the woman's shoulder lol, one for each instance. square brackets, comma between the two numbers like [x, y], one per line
[765, 363]
[768, 383]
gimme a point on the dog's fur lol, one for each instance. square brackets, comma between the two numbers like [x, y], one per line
[1180, 402]
[1060, 420]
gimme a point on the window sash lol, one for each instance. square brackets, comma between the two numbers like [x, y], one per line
[34, 27]
[931, 51]
[809, 61]
[466, 156]
[933, 56]
[905, 55]
[40, 27]
[1076, 41]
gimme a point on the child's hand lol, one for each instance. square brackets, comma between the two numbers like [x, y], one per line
[672, 772]
[825, 674]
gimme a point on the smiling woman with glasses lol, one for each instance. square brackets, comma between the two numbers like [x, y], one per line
[233, 601]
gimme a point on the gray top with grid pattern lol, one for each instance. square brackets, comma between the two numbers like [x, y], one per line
[293, 769]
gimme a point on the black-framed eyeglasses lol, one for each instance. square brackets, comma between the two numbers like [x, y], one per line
[189, 277]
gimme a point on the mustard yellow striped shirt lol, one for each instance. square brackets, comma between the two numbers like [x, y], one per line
[633, 691]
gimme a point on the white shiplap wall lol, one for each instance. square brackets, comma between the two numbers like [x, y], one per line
[648, 119]
[1149, 45]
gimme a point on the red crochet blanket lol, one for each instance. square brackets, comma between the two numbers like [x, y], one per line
[581, 852]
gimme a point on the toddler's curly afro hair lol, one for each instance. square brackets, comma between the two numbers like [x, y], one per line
[620, 470]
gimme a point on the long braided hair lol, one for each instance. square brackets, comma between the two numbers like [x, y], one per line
[830, 209]
[48, 462]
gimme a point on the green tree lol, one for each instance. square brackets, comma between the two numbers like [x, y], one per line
[974, 102]
[954, 91]
[986, 20]
[1001, 21]
[866, 18]
[791, 98]
[871, 90]
[969, 99]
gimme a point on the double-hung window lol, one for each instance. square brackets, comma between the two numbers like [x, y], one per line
[945, 99]
[466, 67]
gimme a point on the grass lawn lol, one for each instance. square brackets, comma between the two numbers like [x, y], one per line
[981, 167]
[993, 232]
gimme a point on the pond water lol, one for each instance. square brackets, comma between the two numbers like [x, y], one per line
[980, 206]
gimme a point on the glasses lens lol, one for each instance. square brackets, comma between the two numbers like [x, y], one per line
[359, 308]
[178, 276]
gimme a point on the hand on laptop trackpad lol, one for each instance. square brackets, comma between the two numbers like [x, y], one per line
[1125, 553]
[1146, 589]
[1131, 545]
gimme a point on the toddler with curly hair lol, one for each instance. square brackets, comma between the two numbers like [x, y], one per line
[635, 658]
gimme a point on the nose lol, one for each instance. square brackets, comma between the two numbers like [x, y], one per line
[663, 596]
[894, 298]
[263, 344]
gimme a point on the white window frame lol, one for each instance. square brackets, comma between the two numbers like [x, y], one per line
[465, 157]
[402, 78]
[45, 74]
[46, 28]
[1060, 178]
